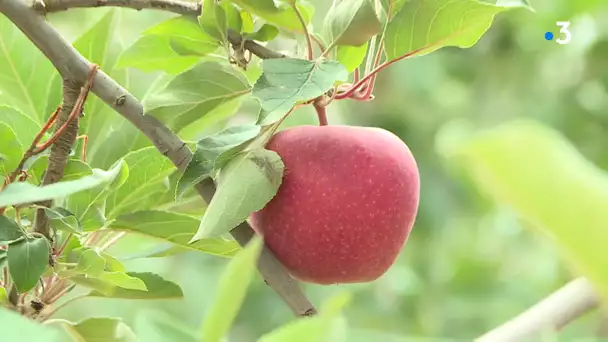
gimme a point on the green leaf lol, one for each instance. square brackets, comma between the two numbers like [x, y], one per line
[2, 257]
[246, 183]
[98, 329]
[74, 169]
[158, 326]
[232, 286]
[20, 59]
[264, 34]
[351, 22]
[195, 93]
[286, 81]
[422, 27]
[208, 150]
[11, 150]
[351, 56]
[213, 19]
[284, 17]
[329, 325]
[24, 127]
[27, 261]
[63, 219]
[9, 230]
[21, 193]
[3, 297]
[16, 327]
[152, 52]
[157, 288]
[540, 174]
[395, 7]
[148, 170]
[173, 46]
[175, 228]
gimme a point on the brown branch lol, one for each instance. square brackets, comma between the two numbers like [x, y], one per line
[73, 65]
[60, 150]
[174, 6]
[551, 314]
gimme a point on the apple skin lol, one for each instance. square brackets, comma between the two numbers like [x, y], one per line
[346, 206]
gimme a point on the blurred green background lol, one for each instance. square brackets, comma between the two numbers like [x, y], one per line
[469, 264]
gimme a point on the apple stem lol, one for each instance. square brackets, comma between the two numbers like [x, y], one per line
[321, 113]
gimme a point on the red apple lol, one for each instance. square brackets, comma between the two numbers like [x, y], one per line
[346, 206]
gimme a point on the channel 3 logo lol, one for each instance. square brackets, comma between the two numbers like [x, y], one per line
[565, 34]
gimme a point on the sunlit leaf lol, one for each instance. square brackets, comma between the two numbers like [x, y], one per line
[233, 286]
[98, 329]
[351, 22]
[431, 25]
[535, 170]
[11, 150]
[15, 327]
[21, 192]
[156, 288]
[175, 228]
[196, 92]
[284, 17]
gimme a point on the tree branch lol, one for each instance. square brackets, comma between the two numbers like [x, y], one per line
[60, 150]
[72, 65]
[174, 6]
[551, 314]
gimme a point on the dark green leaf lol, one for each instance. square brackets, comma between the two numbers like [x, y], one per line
[425, 26]
[9, 230]
[286, 81]
[209, 149]
[195, 93]
[265, 33]
[63, 219]
[233, 286]
[98, 330]
[351, 22]
[175, 228]
[213, 19]
[2, 256]
[21, 192]
[27, 261]
[157, 288]
[246, 183]
[15, 327]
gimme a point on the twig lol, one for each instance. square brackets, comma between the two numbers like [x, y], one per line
[305, 29]
[73, 65]
[174, 6]
[552, 313]
[64, 137]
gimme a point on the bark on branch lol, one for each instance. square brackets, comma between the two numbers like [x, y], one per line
[72, 65]
[551, 314]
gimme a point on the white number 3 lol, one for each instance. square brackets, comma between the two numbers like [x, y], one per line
[564, 30]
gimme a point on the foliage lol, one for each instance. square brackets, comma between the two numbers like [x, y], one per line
[126, 207]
